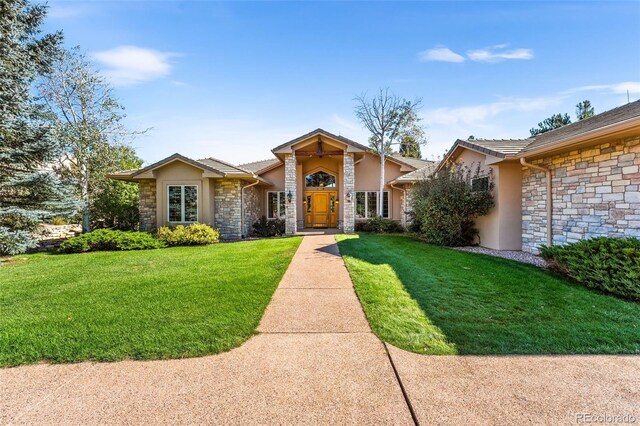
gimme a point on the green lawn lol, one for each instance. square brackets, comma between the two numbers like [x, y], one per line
[434, 300]
[167, 303]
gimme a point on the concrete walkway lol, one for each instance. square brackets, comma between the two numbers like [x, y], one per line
[317, 362]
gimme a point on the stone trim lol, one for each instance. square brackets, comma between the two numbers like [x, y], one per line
[227, 207]
[290, 180]
[147, 204]
[595, 192]
[349, 185]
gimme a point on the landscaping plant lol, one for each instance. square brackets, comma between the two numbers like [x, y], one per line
[379, 225]
[110, 239]
[446, 204]
[607, 264]
[196, 234]
[264, 227]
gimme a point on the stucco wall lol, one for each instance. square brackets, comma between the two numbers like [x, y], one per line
[595, 193]
[179, 173]
[368, 179]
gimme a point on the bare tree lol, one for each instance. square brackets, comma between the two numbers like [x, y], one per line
[385, 115]
[87, 121]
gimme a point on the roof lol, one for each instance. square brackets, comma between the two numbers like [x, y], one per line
[224, 167]
[420, 174]
[496, 147]
[599, 121]
[322, 132]
[416, 163]
[219, 167]
[259, 166]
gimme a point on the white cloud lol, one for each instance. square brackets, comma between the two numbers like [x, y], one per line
[128, 65]
[478, 114]
[498, 53]
[617, 88]
[441, 54]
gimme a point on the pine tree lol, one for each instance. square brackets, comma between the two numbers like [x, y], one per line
[29, 192]
[554, 122]
[584, 110]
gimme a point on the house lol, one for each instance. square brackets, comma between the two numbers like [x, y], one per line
[582, 178]
[318, 180]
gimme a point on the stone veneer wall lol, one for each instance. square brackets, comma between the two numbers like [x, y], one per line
[147, 204]
[349, 185]
[405, 205]
[595, 193]
[252, 211]
[227, 208]
[290, 165]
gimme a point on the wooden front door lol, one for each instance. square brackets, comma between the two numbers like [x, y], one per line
[321, 208]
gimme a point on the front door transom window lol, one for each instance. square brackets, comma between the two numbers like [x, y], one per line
[320, 180]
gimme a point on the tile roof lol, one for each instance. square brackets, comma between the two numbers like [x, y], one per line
[258, 166]
[413, 162]
[421, 173]
[223, 166]
[604, 119]
[497, 147]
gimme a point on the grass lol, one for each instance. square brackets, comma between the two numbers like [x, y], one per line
[154, 304]
[434, 300]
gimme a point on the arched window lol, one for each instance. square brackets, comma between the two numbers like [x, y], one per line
[320, 180]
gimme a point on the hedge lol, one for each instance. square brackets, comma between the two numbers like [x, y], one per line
[611, 265]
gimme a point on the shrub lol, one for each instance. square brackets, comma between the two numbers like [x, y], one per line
[110, 239]
[607, 264]
[379, 225]
[268, 227]
[59, 221]
[446, 204]
[193, 235]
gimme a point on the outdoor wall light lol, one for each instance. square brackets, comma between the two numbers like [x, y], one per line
[349, 197]
[289, 196]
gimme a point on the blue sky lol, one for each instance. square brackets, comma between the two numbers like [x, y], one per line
[234, 79]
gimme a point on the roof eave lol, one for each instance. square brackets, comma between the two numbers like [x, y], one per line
[583, 137]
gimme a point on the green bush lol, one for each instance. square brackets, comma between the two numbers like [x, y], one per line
[379, 225]
[192, 235]
[110, 239]
[264, 227]
[445, 205]
[607, 264]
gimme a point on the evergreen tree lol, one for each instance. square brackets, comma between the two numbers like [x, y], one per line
[584, 110]
[29, 191]
[554, 122]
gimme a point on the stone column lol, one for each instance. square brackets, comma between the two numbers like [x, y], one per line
[349, 186]
[147, 204]
[290, 188]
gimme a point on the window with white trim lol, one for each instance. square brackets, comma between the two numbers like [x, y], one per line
[275, 205]
[367, 204]
[182, 203]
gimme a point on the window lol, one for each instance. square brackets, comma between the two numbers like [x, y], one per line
[367, 204]
[320, 180]
[275, 205]
[480, 184]
[182, 203]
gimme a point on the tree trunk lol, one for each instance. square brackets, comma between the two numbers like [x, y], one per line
[86, 220]
[381, 194]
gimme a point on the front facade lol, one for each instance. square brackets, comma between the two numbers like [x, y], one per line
[318, 180]
[576, 182]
